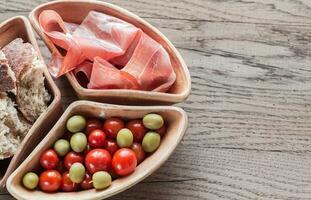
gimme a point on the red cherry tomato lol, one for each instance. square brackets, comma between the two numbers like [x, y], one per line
[112, 127]
[67, 185]
[98, 160]
[49, 159]
[87, 182]
[93, 124]
[97, 138]
[111, 146]
[72, 157]
[50, 181]
[137, 128]
[162, 130]
[139, 152]
[124, 161]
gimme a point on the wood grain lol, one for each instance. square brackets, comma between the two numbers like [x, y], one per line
[249, 134]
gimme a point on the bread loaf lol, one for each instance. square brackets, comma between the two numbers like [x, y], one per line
[12, 127]
[32, 97]
[21, 73]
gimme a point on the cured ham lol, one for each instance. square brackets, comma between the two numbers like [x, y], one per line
[105, 52]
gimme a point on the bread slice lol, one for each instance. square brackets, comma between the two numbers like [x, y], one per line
[7, 76]
[8, 144]
[13, 127]
[19, 56]
[32, 97]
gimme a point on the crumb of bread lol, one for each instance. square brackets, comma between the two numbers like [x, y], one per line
[8, 144]
[32, 96]
[13, 127]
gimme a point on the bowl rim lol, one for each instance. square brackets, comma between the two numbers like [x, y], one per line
[181, 128]
[166, 97]
[53, 89]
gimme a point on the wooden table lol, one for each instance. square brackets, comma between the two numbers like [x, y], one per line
[249, 133]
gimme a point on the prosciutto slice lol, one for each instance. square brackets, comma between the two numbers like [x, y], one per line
[108, 52]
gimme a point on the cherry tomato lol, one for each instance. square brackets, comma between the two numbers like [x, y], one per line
[111, 146]
[124, 161]
[97, 138]
[112, 127]
[72, 157]
[98, 160]
[139, 152]
[162, 130]
[49, 159]
[92, 124]
[50, 181]
[67, 185]
[138, 129]
[87, 182]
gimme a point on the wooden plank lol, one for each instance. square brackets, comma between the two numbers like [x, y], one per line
[228, 174]
[250, 11]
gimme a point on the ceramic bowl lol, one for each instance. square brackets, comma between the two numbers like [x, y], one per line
[19, 27]
[75, 11]
[175, 118]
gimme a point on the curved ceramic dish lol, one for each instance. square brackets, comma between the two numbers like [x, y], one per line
[75, 11]
[19, 27]
[175, 118]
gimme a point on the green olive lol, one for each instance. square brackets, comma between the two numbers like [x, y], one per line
[101, 180]
[30, 180]
[78, 142]
[125, 138]
[151, 142]
[77, 172]
[153, 121]
[62, 147]
[76, 123]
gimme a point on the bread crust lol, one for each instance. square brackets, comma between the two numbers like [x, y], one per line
[31, 96]
[7, 76]
[19, 56]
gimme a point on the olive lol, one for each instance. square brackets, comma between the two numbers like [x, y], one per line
[76, 123]
[125, 138]
[151, 141]
[30, 180]
[77, 172]
[101, 180]
[153, 121]
[78, 142]
[62, 147]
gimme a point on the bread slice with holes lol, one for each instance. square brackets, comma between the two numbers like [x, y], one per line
[13, 127]
[31, 96]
